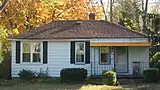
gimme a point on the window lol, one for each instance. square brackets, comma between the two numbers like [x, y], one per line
[80, 52]
[104, 55]
[31, 52]
[36, 52]
[26, 52]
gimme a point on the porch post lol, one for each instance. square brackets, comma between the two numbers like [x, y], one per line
[114, 55]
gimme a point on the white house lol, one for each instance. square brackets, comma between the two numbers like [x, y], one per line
[95, 45]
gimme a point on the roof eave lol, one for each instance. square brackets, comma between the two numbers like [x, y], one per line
[71, 38]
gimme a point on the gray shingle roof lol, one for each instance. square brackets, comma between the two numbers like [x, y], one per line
[72, 29]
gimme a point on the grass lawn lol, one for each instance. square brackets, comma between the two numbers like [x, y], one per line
[56, 85]
[53, 84]
[59, 87]
[45, 86]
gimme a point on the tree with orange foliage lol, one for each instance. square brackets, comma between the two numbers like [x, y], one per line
[72, 9]
[22, 15]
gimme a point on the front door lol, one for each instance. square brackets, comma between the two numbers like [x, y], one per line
[121, 60]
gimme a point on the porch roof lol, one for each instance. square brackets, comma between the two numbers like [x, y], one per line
[120, 43]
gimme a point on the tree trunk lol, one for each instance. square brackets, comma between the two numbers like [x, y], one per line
[146, 6]
[111, 14]
[104, 12]
[144, 16]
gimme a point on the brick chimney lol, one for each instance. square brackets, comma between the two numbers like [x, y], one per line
[92, 16]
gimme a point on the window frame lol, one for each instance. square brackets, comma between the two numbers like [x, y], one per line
[32, 52]
[22, 52]
[108, 59]
[84, 53]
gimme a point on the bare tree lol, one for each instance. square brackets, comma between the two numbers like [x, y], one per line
[4, 3]
[111, 9]
[144, 15]
[146, 6]
[104, 12]
[111, 13]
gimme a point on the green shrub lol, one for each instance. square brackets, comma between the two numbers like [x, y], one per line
[43, 74]
[151, 75]
[5, 65]
[109, 77]
[154, 59]
[158, 65]
[73, 74]
[27, 74]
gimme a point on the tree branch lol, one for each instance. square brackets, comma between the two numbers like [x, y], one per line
[4, 3]
[63, 11]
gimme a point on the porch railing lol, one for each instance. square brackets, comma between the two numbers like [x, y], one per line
[97, 68]
[134, 68]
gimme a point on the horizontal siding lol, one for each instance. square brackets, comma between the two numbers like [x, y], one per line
[140, 54]
[58, 58]
[17, 67]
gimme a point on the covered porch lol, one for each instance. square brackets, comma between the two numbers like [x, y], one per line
[123, 58]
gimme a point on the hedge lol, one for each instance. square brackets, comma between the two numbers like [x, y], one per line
[73, 74]
[151, 75]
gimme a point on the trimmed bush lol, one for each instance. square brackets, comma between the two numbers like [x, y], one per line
[151, 75]
[73, 74]
[27, 74]
[109, 77]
